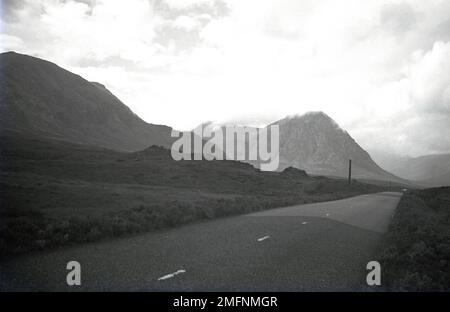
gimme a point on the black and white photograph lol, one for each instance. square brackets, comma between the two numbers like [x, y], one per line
[195, 147]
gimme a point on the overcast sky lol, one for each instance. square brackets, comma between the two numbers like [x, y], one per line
[381, 69]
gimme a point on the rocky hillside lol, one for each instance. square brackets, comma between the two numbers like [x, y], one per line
[41, 98]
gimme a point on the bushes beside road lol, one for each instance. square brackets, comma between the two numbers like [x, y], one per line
[415, 254]
[20, 234]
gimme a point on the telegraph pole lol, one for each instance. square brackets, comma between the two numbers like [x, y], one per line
[349, 171]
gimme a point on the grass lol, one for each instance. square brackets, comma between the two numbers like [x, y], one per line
[22, 233]
[54, 194]
[415, 254]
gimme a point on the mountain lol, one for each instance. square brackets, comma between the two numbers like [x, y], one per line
[429, 170]
[315, 142]
[38, 97]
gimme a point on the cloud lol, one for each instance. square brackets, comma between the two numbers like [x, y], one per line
[8, 43]
[185, 22]
[414, 111]
[9, 8]
[398, 17]
[432, 66]
[185, 4]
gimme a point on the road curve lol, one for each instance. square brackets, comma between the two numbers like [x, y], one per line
[312, 247]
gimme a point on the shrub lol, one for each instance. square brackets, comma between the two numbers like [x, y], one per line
[415, 251]
[25, 233]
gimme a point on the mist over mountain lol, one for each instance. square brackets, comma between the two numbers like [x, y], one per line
[41, 98]
[315, 142]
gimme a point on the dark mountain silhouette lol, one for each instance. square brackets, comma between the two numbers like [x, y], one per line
[314, 142]
[41, 98]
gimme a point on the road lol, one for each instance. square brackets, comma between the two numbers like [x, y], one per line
[312, 247]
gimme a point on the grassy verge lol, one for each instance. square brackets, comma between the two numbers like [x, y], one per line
[29, 230]
[415, 254]
[39, 215]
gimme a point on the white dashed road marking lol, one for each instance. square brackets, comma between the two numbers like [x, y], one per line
[263, 238]
[171, 275]
[305, 222]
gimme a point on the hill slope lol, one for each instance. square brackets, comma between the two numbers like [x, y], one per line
[432, 170]
[314, 142]
[39, 97]
[428, 170]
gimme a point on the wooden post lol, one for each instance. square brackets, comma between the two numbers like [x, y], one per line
[349, 171]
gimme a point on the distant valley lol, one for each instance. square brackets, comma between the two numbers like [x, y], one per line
[428, 170]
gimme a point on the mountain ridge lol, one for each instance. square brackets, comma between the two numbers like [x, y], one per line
[40, 97]
[428, 170]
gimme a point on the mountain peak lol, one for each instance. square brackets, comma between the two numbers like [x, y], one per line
[98, 84]
[317, 118]
[318, 114]
[9, 53]
[18, 56]
[308, 115]
[315, 143]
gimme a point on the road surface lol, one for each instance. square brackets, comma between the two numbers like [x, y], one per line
[313, 247]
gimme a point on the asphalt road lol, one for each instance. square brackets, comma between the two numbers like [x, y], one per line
[313, 247]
